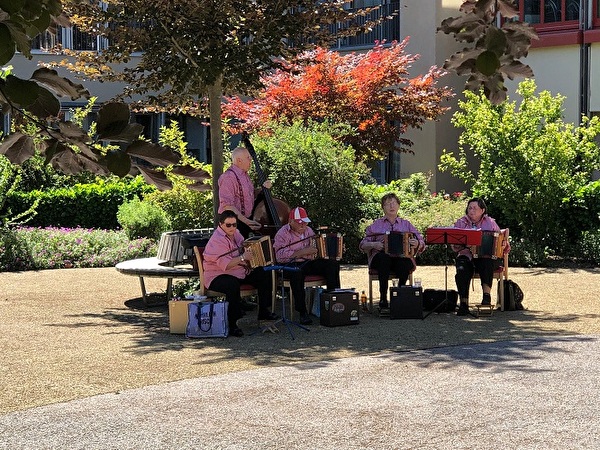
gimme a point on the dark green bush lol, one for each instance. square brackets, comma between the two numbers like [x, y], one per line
[142, 219]
[84, 205]
[590, 246]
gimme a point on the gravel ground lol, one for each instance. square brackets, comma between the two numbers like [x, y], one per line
[72, 335]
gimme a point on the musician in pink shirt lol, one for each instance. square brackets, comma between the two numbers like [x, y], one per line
[294, 248]
[226, 269]
[475, 218]
[237, 193]
[373, 245]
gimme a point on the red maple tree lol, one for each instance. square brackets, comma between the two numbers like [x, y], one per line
[372, 92]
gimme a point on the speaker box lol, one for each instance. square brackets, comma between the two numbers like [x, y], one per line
[406, 302]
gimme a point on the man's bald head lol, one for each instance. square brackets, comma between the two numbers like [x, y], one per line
[241, 158]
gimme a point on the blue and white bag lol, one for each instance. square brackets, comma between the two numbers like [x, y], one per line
[207, 319]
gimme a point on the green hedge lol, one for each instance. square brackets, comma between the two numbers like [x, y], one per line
[83, 205]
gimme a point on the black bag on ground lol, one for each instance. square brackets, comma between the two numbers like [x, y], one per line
[433, 297]
[513, 296]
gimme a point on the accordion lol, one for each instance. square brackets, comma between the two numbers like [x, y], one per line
[261, 251]
[492, 245]
[397, 245]
[175, 247]
[329, 245]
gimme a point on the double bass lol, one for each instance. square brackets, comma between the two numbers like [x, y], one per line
[270, 212]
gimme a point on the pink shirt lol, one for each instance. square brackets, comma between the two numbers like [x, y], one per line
[217, 254]
[236, 189]
[377, 230]
[287, 241]
[486, 224]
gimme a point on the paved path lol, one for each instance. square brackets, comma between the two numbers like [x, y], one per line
[540, 393]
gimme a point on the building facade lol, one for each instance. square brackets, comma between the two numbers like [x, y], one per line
[565, 60]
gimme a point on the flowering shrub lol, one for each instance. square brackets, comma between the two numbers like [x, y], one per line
[28, 248]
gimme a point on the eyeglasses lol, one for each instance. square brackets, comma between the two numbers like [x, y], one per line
[229, 225]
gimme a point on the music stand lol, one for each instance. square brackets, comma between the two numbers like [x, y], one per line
[450, 236]
[283, 319]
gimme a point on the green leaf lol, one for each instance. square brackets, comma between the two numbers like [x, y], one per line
[495, 41]
[17, 148]
[487, 63]
[118, 162]
[113, 118]
[130, 132]
[12, 6]
[45, 105]
[22, 92]
[7, 45]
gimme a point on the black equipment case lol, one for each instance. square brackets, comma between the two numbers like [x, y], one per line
[406, 302]
[339, 308]
[433, 297]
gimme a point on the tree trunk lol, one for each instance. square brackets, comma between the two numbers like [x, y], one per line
[215, 94]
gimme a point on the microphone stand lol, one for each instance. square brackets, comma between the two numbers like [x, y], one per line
[287, 322]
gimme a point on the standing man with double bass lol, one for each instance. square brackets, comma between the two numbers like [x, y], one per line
[237, 192]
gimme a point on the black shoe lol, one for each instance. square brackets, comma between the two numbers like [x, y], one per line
[305, 319]
[267, 315]
[487, 300]
[383, 305]
[237, 332]
[463, 310]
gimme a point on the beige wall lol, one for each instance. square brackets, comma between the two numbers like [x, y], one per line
[595, 77]
[555, 70]
[419, 21]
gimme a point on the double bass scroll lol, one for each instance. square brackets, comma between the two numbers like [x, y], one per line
[271, 213]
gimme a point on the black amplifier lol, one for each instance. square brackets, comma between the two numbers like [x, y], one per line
[339, 308]
[406, 302]
[433, 297]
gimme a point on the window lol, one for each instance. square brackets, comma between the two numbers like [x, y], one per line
[551, 13]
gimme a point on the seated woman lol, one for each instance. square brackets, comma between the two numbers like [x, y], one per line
[226, 269]
[373, 245]
[476, 218]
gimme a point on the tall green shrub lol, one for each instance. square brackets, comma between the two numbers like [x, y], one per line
[185, 208]
[531, 163]
[142, 219]
[310, 168]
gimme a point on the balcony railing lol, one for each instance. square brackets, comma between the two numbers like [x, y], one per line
[69, 38]
[388, 30]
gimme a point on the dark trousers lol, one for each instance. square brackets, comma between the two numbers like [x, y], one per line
[230, 286]
[328, 268]
[465, 268]
[385, 265]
